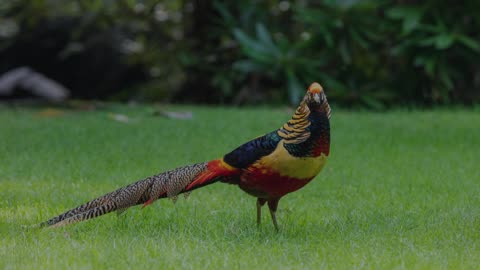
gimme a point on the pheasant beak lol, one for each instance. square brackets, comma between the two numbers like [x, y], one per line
[316, 97]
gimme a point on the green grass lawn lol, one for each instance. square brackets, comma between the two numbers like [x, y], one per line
[401, 191]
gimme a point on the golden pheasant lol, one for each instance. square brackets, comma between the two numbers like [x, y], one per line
[268, 167]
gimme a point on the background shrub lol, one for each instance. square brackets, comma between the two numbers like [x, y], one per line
[368, 53]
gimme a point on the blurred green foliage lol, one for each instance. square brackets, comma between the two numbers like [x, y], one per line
[366, 53]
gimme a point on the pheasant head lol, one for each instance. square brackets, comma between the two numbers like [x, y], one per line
[316, 99]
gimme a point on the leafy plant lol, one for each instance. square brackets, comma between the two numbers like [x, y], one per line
[369, 53]
[280, 60]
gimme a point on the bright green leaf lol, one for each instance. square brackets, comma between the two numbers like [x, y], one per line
[410, 15]
[265, 37]
[253, 48]
[443, 41]
[469, 42]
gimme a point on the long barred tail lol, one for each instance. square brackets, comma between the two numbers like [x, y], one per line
[167, 184]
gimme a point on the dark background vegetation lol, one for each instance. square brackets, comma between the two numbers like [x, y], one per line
[374, 54]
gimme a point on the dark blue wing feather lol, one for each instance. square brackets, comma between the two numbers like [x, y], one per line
[249, 152]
